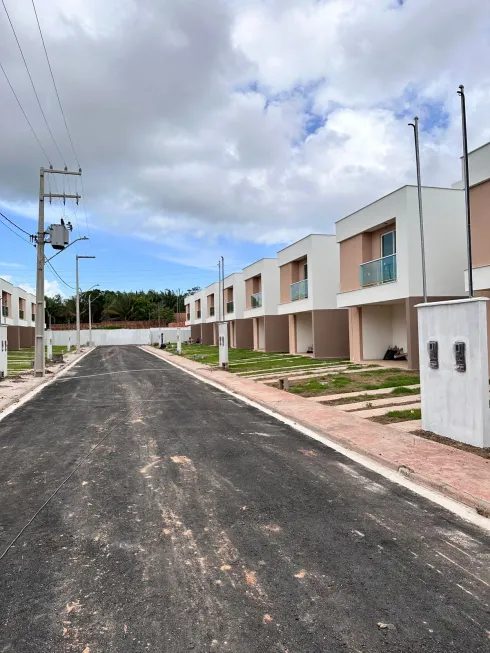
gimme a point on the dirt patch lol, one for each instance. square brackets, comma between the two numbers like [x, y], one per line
[180, 460]
[428, 435]
[308, 452]
[251, 577]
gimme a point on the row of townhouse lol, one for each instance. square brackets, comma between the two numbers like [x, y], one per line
[354, 293]
[19, 314]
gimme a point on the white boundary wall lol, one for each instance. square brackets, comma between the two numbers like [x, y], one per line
[102, 337]
[455, 404]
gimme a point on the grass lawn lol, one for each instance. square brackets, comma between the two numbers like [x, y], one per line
[20, 360]
[400, 391]
[394, 416]
[355, 382]
[249, 361]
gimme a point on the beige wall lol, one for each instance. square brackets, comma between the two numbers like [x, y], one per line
[196, 331]
[286, 279]
[249, 284]
[331, 333]
[207, 334]
[276, 333]
[376, 241]
[244, 338]
[480, 224]
[229, 294]
[353, 252]
[355, 333]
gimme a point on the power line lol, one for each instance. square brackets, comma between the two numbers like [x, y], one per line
[15, 233]
[62, 280]
[54, 84]
[25, 115]
[15, 225]
[32, 82]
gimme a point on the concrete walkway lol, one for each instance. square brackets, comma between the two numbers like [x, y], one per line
[460, 475]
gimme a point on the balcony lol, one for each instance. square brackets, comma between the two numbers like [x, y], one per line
[198, 313]
[5, 311]
[381, 270]
[299, 290]
[256, 300]
[21, 314]
[211, 311]
[230, 307]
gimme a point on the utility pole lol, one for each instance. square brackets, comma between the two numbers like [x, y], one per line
[78, 301]
[415, 125]
[90, 318]
[39, 356]
[466, 190]
[223, 286]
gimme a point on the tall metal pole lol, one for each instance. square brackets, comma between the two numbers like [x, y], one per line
[415, 125]
[219, 291]
[39, 355]
[466, 190]
[223, 286]
[90, 320]
[78, 301]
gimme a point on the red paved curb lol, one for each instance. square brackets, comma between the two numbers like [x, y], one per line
[456, 474]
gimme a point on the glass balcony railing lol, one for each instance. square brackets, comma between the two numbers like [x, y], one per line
[256, 300]
[381, 270]
[230, 307]
[21, 315]
[5, 311]
[211, 311]
[299, 290]
[198, 313]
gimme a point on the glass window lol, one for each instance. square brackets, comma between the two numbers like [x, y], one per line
[388, 244]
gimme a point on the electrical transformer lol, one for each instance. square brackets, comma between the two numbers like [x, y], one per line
[59, 236]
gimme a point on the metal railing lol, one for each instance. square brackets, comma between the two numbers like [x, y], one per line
[299, 290]
[5, 311]
[256, 300]
[21, 315]
[211, 311]
[198, 315]
[381, 270]
[230, 307]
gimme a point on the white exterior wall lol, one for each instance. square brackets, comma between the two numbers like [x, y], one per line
[190, 300]
[268, 269]
[455, 404]
[445, 244]
[17, 293]
[399, 327]
[377, 331]
[304, 332]
[102, 337]
[236, 280]
[322, 254]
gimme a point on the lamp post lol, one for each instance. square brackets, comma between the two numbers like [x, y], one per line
[415, 125]
[90, 315]
[466, 189]
[78, 301]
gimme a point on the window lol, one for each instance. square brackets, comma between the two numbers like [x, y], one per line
[388, 244]
[305, 270]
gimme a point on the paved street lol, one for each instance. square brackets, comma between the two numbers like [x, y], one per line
[198, 523]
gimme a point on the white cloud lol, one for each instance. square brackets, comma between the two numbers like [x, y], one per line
[193, 119]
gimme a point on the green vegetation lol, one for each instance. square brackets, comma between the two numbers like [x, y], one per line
[398, 416]
[20, 360]
[356, 382]
[399, 392]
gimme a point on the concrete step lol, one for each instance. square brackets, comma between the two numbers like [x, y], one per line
[378, 403]
[324, 398]
[375, 412]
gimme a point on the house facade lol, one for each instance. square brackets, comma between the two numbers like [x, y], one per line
[19, 314]
[270, 331]
[308, 287]
[381, 267]
[240, 330]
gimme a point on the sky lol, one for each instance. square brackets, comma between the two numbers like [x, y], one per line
[226, 127]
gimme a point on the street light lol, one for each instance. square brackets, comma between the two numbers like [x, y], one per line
[90, 315]
[415, 125]
[78, 301]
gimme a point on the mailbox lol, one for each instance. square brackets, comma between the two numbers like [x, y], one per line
[433, 349]
[460, 356]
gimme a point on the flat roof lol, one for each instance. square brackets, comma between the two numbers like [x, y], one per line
[301, 239]
[480, 147]
[264, 258]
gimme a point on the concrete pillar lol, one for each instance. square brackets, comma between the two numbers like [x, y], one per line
[330, 328]
[355, 334]
[412, 332]
[276, 333]
[293, 338]
[256, 333]
[3, 350]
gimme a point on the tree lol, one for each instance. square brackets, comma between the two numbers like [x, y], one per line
[123, 307]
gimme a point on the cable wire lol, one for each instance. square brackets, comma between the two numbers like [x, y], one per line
[25, 115]
[32, 82]
[15, 233]
[15, 225]
[54, 84]
[60, 278]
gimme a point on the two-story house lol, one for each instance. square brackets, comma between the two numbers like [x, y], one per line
[308, 286]
[193, 314]
[381, 267]
[270, 330]
[19, 314]
[240, 330]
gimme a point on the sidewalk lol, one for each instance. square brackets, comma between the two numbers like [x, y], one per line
[15, 387]
[456, 474]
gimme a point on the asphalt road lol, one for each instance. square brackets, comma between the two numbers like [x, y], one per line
[199, 523]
